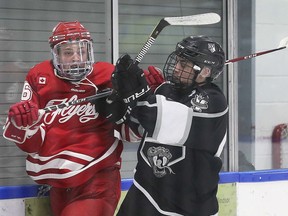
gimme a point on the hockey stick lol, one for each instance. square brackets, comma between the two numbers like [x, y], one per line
[199, 19]
[101, 94]
[282, 45]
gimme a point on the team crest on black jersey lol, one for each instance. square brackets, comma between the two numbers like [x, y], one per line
[199, 102]
[159, 158]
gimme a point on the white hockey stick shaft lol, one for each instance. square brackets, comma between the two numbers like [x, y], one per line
[282, 45]
[199, 19]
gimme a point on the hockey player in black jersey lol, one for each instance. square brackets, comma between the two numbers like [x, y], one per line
[185, 129]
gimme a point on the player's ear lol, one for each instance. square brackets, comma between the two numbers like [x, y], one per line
[205, 72]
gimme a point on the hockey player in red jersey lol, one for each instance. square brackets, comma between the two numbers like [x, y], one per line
[185, 124]
[75, 150]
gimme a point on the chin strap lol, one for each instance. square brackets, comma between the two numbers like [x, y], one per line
[197, 71]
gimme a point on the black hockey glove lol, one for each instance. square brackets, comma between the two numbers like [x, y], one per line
[129, 81]
[112, 108]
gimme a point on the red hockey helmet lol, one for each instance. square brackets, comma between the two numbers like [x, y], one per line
[72, 51]
[68, 31]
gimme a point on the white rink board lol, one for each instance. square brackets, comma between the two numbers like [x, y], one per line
[12, 207]
[262, 198]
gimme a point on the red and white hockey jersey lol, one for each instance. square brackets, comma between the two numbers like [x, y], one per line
[72, 143]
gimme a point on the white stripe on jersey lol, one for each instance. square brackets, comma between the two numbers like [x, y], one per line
[210, 115]
[58, 161]
[173, 122]
[33, 167]
[221, 146]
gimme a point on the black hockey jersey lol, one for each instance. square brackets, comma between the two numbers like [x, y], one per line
[178, 159]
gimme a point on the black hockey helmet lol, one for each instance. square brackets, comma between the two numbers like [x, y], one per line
[199, 50]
